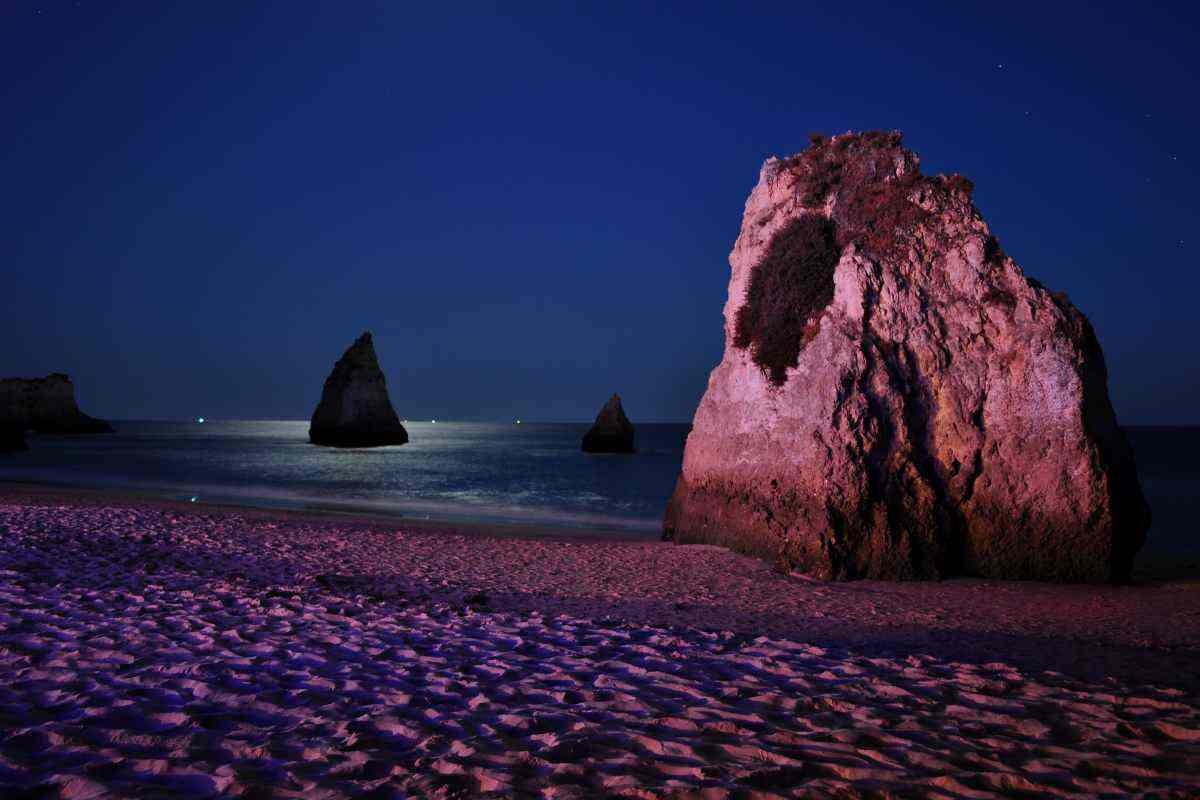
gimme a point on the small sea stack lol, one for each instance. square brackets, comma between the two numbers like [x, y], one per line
[612, 432]
[897, 399]
[45, 405]
[355, 410]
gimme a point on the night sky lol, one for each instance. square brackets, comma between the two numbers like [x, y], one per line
[204, 204]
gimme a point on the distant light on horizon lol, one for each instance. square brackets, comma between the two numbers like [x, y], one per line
[200, 420]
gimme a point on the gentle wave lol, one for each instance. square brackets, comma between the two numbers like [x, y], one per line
[458, 472]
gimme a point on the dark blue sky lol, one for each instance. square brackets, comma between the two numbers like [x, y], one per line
[204, 204]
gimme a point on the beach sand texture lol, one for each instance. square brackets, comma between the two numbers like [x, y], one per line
[151, 650]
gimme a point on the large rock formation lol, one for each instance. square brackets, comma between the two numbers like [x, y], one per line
[612, 431]
[896, 398]
[355, 410]
[47, 405]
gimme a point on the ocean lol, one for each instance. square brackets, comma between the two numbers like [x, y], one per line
[455, 471]
[532, 473]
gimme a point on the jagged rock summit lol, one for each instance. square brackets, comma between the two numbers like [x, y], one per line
[612, 431]
[45, 405]
[355, 410]
[896, 398]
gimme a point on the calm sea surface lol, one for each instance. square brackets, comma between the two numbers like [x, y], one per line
[462, 471]
[490, 472]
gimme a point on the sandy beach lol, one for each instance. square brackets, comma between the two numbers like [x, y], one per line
[150, 648]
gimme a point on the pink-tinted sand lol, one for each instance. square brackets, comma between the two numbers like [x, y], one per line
[149, 649]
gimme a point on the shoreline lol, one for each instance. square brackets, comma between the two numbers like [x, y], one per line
[1080, 628]
[352, 515]
[1152, 565]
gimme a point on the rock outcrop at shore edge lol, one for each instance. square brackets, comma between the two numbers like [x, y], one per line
[896, 399]
[355, 410]
[612, 431]
[45, 405]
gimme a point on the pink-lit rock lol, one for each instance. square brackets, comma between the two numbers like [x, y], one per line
[945, 414]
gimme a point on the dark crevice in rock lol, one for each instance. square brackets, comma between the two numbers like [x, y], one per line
[939, 547]
[973, 475]
[881, 430]
[845, 388]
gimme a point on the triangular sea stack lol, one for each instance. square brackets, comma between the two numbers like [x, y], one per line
[45, 405]
[896, 398]
[612, 431]
[355, 410]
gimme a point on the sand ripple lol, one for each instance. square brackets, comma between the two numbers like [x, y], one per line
[151, 654]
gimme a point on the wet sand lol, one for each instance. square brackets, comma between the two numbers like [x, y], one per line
[151, 648]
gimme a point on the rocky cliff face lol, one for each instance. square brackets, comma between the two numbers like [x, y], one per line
[896, 398]
[46, 405]
[612, 431]
[355, 410]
